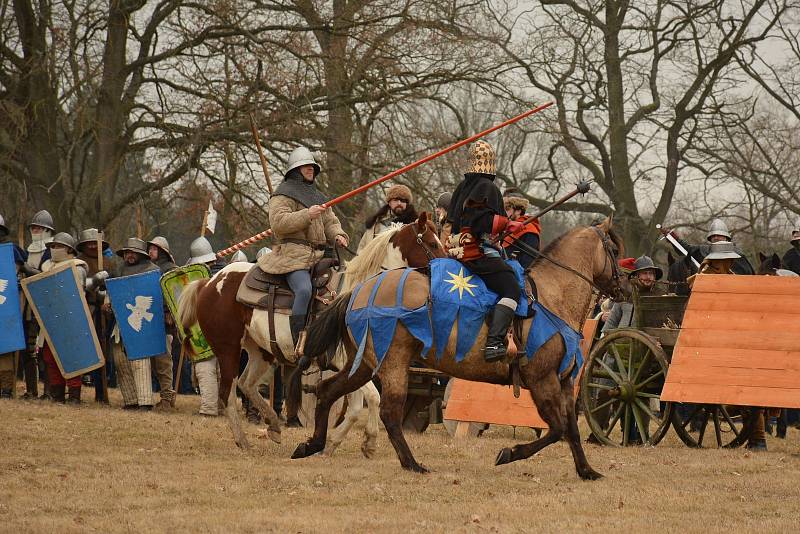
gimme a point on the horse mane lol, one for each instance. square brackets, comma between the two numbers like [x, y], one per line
[369, 260]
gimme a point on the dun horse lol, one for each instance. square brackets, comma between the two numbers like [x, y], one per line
[230, 327]
[584, 254]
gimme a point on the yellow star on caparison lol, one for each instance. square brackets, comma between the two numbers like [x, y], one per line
[461, 283]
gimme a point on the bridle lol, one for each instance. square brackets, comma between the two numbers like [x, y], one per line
[424, 246]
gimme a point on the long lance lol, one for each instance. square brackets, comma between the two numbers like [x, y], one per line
[674, 242]
[244, 244]
[435, 155]
[261, 155]
[103, 326]
[581, 189]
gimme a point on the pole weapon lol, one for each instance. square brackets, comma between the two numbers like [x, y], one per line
[260, 153]
[435, 155]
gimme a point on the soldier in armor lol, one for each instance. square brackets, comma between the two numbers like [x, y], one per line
[7, 379]
[302, 229]
[63, 248]
[791, 260]
[206, 371]
[516, 206]
[88, 252]
[160, 255]
[133, 376]
[41, 230]
[718, 232]
[158, 250]
[477, 215]
[397, 210]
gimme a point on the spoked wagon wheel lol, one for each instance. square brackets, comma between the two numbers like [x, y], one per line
[713, 425]
[621, 387]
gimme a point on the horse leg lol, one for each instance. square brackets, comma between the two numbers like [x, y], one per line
[394, 381]
[256, 368]
[233, 416]
[582, 466]
[373, 398]
[355, 403]
[546, 393]
[328, 392]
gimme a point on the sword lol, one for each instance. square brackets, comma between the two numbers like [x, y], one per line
[674, 242]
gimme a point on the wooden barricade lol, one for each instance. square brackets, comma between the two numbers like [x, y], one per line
[738, 343]
[478, 402]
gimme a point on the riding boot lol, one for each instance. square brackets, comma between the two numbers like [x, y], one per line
[758, 441]
[297, 324]
[74, 395]
[57, 393]
[498, 330]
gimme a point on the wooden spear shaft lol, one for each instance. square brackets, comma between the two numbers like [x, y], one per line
[261, 155]
[435, 155]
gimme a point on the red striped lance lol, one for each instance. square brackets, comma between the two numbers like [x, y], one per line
[244, 244]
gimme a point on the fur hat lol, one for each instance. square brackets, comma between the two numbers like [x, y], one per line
[481, 158]
[399, 192]
[518, 203]
[795, 236]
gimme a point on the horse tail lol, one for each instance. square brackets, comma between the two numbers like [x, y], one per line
[327, 328]
[322, 334]
[187, 304]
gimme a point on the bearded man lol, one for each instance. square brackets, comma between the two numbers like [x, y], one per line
[397, 209]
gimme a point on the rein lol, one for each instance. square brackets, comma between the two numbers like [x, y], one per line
[608, 256]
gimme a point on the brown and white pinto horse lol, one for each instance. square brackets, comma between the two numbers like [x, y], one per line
[230, 327]
[583, 259]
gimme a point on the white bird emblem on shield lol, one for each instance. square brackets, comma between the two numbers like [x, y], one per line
[3, 286]
[140, 312]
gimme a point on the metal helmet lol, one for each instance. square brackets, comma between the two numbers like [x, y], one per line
[262, 251]
[718, 227]
[444, 200]
[3, 227]
[162, 243]
[63, 238]
[133, 244]
[723, 251]
[239, 257]
[90, 236]
[301, 156]
[201, 252]
[43, 219]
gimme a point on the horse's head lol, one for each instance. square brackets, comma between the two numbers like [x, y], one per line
[768, 264]
[605, 271]
[418, 242]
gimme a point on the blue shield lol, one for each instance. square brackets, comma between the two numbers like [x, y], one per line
[56, 298]
[139, 309]
[12, 335]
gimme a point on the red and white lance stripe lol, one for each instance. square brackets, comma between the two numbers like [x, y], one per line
[244, 244]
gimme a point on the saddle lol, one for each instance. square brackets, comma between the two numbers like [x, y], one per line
[271, 292]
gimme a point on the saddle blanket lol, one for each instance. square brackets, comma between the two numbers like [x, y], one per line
[457, 298]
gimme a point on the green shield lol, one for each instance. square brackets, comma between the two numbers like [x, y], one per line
[172, 284]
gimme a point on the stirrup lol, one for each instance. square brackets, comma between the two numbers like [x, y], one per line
[494, 353]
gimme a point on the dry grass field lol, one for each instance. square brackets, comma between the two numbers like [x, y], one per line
[67, 469]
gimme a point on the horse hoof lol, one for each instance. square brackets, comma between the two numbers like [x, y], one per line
[503, 457]
[418, 468]
[368, 451]
[294, 422]
[304, 450]
[590, 474]
[274, 435]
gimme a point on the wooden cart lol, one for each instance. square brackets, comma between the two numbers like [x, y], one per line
[623, 378]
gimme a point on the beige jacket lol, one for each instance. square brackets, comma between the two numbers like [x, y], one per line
[289, 220]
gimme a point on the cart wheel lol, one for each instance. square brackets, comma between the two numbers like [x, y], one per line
[621, 388]
[713, 425]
